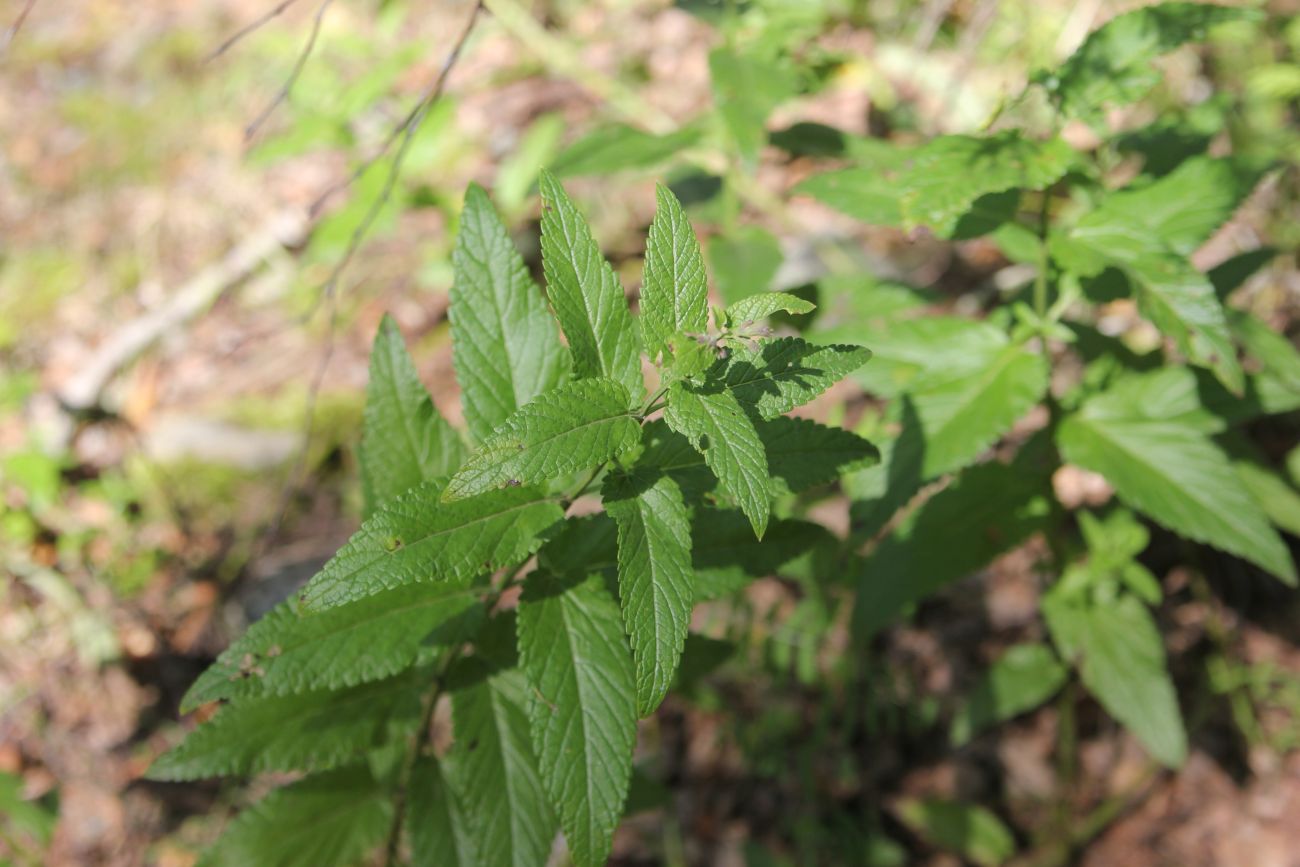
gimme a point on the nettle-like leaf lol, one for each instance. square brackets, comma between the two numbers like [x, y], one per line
[579, 425]
[505, 344]
[288, 652]
[1114, 64]
[329, 820]
[582, 705]
[801, 454]
[1121, 659]
[778, 375]
[674, 291]
[493, 771]
[1169, 469]
[719, 428]
[987, 510]
[655, 576]
[405, 440]
[438, 827]
[1024, 677]
[420, 538]
[950, 183]
[1178, 299]
[756, 307]
[314, 731]
[586, 295]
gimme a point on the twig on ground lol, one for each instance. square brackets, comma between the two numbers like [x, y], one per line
[84, 390]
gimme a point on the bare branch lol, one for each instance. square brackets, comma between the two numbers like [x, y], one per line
[247, 29]
[408, 125]
[283, 93]
[406, 130]
[16, 26]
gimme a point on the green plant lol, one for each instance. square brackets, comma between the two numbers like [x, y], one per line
[1157, 414]
[343, 680]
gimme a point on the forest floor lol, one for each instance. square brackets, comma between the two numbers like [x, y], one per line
[134, 543]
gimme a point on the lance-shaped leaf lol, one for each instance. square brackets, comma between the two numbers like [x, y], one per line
[1021, 679]
[1114, 64]
[288, 652]
[576, 426]
[418, 538]
[1178, 299]
[582, 705]
[778, 375]
[800, 453]
[655, 578]
[331, 820]
[1171, 471]
[1121, 659]
[718, 427]
[764, 304]
[493, 770]
[586, 294]
[674, 294]
[963, 414]
[505, 344]
[313, 731]
[945, 177]
[404, 440]
[989, 509]
[439, 830]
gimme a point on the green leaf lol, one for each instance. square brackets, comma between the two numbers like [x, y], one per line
[1024, 677]
[404, 439]
[1277, 356]
[655, 578]
[586, 295]
[313, 731]
[718, 427]
[947, 184]
[800, 454]
[576, 426]
[779, 375]
[330, 820]
[963, 414]
[969, 829]
[439, 829]
[743, 261]
[418, 538]
[764, 304]
[866, 194]
[946, 175]
[1184, 208]
[1179, 300]
[1276, 496]
[619, 147]
[989, 509]
[1114, 64]
[582, 705]
[908, 352]
[288, 652]
[674, 292]
[1171, 471]
[505, 345]
[726, 557]
[1121, 659]
[494, 772]
[745, 90]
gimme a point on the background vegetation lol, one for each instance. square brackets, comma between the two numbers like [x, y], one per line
[156, 501]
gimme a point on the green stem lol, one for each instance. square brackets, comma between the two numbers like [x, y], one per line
[1040, 279]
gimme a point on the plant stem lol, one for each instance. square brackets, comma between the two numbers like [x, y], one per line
[427, 708]
[1040, 279]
